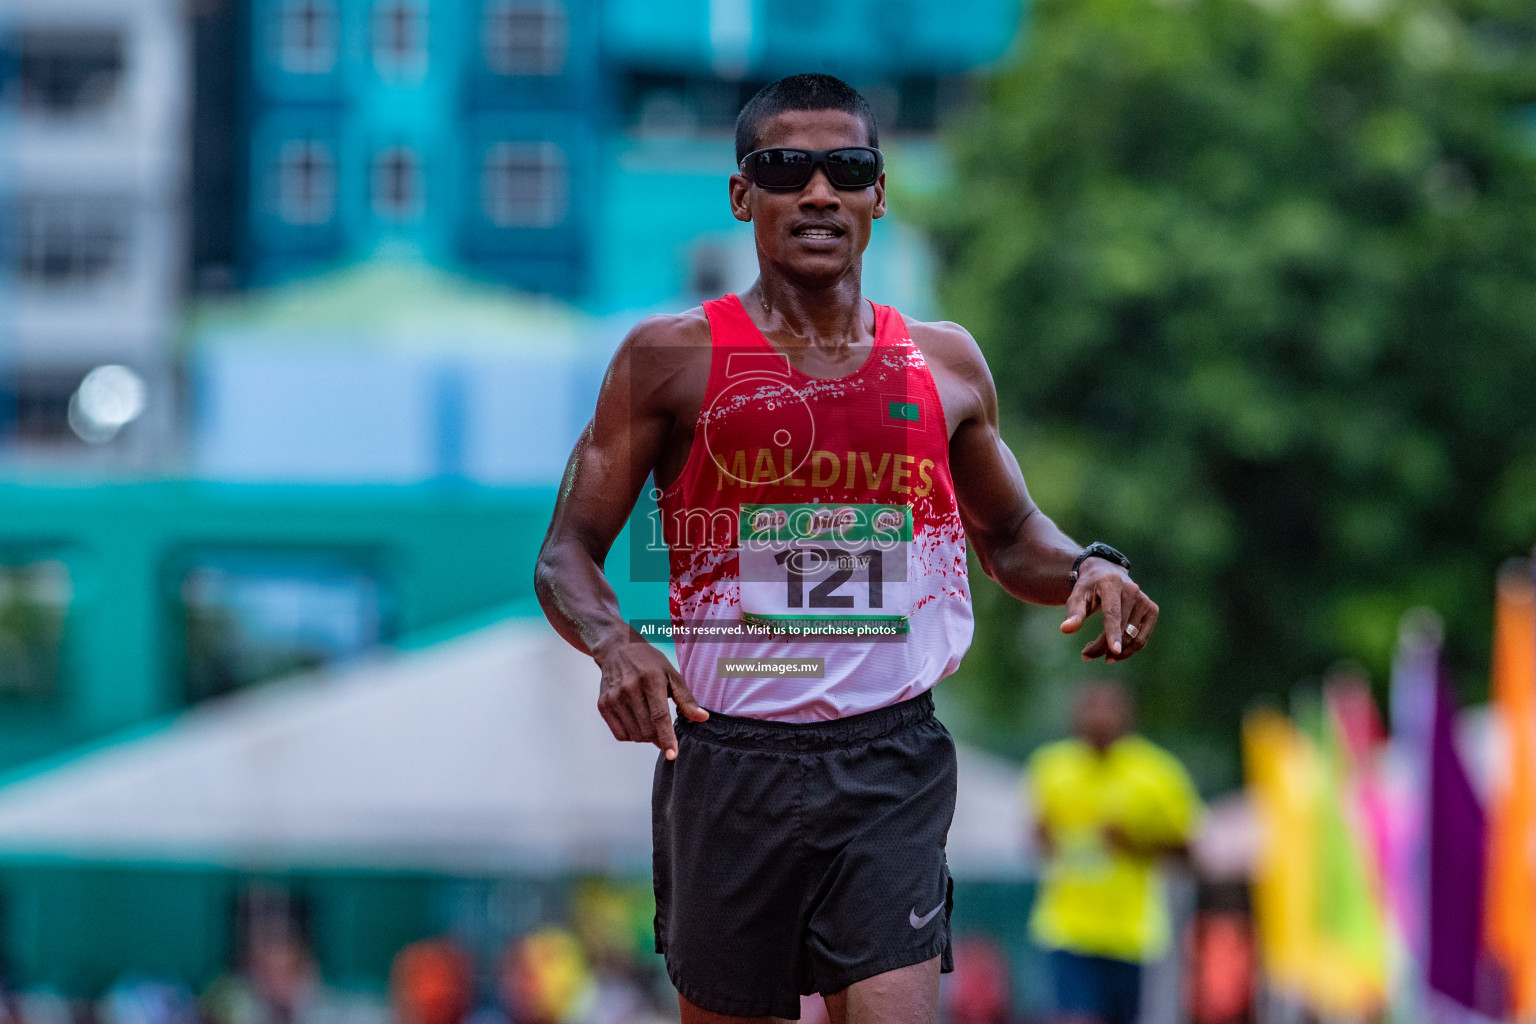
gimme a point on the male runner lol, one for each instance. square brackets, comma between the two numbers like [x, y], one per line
[820, 462]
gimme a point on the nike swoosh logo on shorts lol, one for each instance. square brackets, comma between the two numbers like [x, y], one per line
[918, 922]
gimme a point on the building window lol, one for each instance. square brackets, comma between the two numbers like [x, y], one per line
[524, 185]
[65, 242]
[56, 408]
[525, 38]
[34, 601]
[249, 618]
[306, 182]
[43, 398]
[396, 185]
[306, 36]
[399, 38]
[70, 72]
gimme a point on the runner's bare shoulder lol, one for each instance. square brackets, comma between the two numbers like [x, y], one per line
[666, 355]
[950, 349]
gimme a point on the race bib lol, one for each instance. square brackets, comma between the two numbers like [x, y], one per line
[816, 566]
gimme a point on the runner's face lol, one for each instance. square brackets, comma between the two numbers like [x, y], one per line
[820, 231]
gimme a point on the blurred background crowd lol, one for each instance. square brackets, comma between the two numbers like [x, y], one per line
[303, 303]
[589, 972]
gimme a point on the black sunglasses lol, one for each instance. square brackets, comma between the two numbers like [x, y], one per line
[789, 170]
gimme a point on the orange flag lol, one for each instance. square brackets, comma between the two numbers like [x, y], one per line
[1510, 902]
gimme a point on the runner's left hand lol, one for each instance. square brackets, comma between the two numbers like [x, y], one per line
[1104, 586]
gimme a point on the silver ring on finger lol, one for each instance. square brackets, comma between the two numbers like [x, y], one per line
[1131, 631]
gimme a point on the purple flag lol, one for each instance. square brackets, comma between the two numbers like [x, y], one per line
[1458, 837]
[1414, 672]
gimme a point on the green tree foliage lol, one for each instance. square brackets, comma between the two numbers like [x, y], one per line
[1257, 283]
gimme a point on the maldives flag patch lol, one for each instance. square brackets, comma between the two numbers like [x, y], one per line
[908, 412]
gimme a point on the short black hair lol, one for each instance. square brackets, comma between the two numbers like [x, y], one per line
[800, 92]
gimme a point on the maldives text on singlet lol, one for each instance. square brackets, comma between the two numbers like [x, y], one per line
[819, 514]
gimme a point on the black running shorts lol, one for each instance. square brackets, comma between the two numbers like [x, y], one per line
[798, 858]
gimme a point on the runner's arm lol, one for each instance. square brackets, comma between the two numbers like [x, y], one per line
[1017, 544]
[611, 462]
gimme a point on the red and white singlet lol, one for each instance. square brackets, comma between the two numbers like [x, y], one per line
[816, 519]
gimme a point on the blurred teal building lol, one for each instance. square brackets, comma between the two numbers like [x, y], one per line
[468, 129]
[414, 230]
[559, 146]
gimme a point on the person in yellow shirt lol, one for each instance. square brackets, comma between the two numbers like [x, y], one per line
[1109, 805]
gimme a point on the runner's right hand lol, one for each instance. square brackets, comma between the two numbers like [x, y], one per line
[637, 680]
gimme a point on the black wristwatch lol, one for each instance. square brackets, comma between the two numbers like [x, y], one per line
[1097, 550]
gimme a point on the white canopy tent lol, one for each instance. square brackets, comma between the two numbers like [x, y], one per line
[480, 754]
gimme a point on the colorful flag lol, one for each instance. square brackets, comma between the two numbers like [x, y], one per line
[1457, 850]
[1281, 768]
[1414, 678]
[1510, 915]
[1349, 978]
[1316, 901]
[1357, 724]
